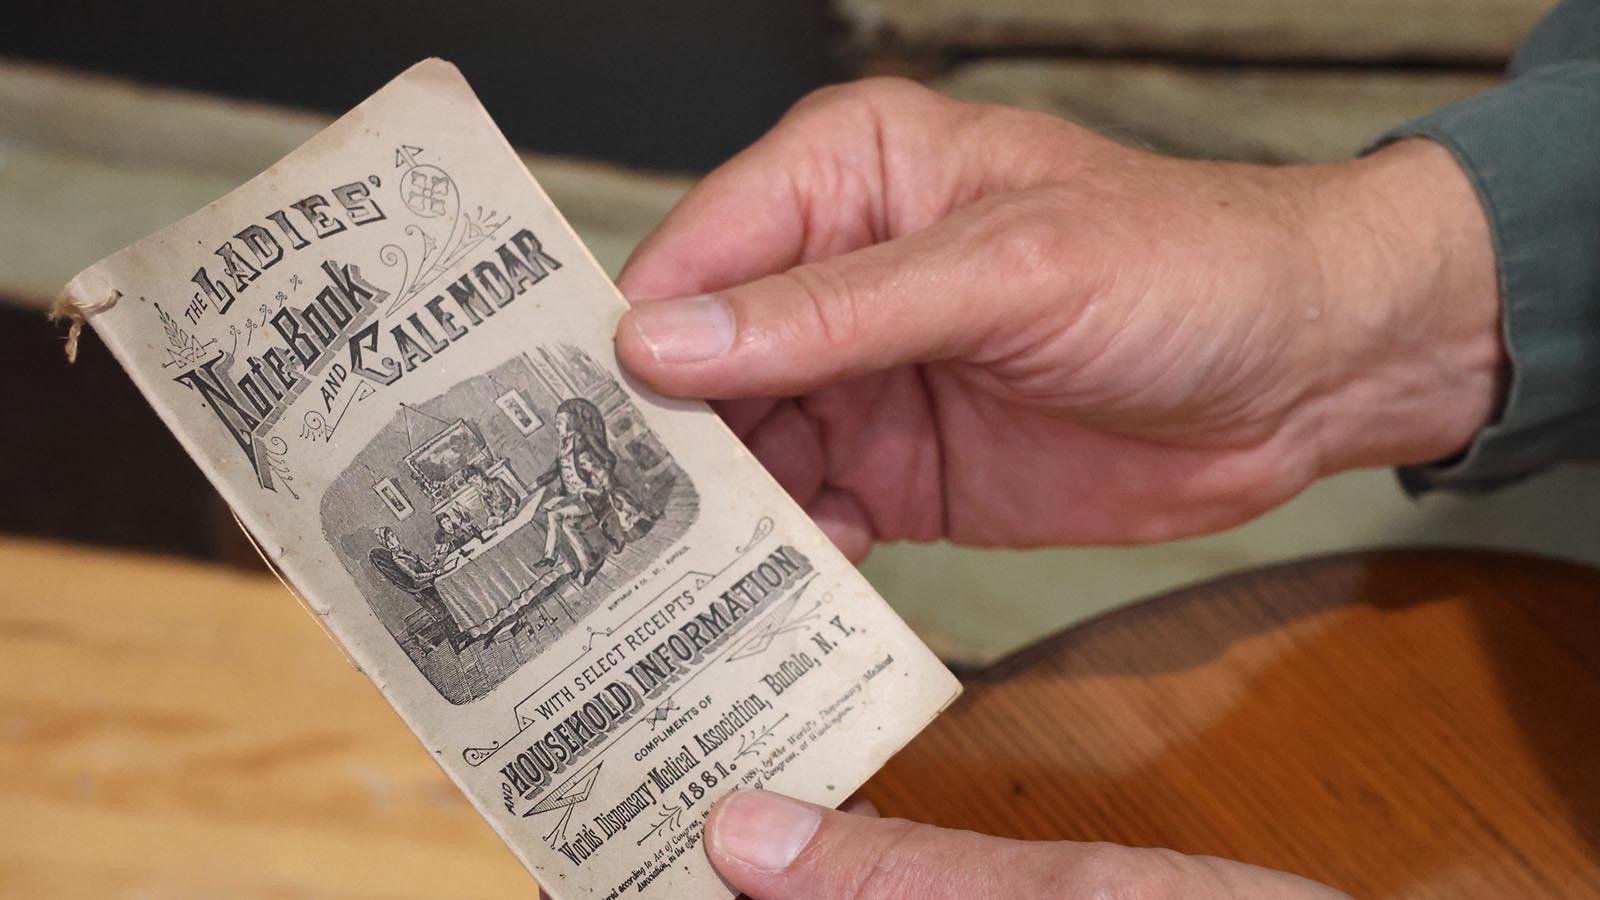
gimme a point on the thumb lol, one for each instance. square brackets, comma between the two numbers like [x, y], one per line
[906, 300]
[773, 848]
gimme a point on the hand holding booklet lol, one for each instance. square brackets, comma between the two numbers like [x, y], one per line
[392, 357]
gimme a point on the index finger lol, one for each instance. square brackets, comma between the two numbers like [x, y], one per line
[814, 186]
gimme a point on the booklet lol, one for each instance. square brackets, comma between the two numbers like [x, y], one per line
[394, 360]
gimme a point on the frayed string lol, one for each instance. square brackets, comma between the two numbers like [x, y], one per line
[76, 315]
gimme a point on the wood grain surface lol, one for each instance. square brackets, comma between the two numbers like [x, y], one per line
[1407, 724]
[1404, 725]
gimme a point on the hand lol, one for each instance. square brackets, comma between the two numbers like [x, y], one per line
[932, 319]
[774, 848]
[857, 805]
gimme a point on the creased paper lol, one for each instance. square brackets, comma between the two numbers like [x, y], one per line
[393, 358]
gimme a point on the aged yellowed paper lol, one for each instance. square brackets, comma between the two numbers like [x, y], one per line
[393, 358]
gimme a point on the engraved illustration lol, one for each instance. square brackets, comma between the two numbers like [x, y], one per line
[478, 538]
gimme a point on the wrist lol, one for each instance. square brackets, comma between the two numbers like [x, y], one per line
[1415, 364]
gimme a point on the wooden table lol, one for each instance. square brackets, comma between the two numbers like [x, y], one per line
[1398, 724]
[1417, 724]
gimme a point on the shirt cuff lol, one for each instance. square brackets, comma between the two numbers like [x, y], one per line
[1532, 151]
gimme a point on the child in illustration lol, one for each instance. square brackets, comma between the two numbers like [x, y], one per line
[582, 482]
[455, 532]
[500, 500]
[415, 576]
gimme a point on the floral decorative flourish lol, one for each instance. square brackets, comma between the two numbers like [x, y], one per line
[751, 741]
[315, 427]
[277, 449]
[432, 195]
[183, 348]
[670, 816]
[476, 755]
[763, 528]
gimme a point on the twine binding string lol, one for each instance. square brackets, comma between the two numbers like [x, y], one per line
[77, 315]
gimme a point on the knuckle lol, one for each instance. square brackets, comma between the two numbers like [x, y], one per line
[1038, 148]
[997, 118]
[891, 88]
[1027, 240]
[820, 98]
[889, 869]
[831, 307]
[1023, 121]
[867, 95]
[1112, 872]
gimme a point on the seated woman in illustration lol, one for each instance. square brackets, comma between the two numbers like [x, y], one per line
[498, 499]
[410, 573]
[583, 483]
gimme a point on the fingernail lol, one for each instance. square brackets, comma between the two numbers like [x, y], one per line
[860, 806]
[685, 329]
[764, 831]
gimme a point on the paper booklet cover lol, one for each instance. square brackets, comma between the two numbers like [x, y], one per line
[394, 359]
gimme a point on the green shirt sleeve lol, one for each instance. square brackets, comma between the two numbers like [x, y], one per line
[1531, 148]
